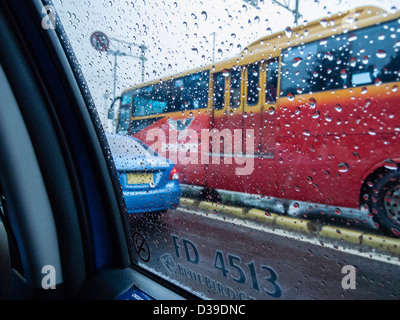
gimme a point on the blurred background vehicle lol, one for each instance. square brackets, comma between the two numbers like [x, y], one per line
[149, 182]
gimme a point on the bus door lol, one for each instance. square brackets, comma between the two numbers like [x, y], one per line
[252, 117]
[268, 120]
[228, 109]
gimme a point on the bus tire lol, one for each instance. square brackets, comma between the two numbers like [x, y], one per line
[384, 202]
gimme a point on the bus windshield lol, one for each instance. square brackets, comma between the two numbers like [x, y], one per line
[190, 92]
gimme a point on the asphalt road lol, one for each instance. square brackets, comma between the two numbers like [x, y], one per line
[221, 257]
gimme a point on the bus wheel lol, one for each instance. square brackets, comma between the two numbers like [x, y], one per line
[384, 202]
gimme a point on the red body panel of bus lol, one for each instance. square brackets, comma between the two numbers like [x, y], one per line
[318, 147]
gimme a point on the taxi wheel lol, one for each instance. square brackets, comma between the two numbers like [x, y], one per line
[384, 202]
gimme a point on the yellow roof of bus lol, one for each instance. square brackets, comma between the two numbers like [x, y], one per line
[272, 45]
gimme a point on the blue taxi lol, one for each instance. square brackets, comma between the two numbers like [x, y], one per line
[149, 182]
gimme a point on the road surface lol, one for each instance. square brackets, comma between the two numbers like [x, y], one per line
[219, 256]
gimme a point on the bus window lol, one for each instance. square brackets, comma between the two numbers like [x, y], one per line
[195, 91]
[317, 66]
[149, 100]
[253, 84]
[332, 66]
[272, 82]
[219, 91]
[370, 61]
[124, 113]
[295, 69]
[235, 96]
[123, 119]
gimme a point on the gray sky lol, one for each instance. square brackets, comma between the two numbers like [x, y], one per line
[177, 33]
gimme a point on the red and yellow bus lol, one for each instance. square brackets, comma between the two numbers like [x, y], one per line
[313, 113]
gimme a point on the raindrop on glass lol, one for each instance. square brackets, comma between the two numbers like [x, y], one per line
[381, 54]
[343, 167]
[290, 96]
[288, 32]
[296, 61]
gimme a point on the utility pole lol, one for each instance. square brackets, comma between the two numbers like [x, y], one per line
[118, 52]
[295, 11]
[213, 51]
[102, 44]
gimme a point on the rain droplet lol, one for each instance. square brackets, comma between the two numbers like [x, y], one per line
[312, 102]
[338, 108]
[381, 54]
[350, 20]
[372, 132]
[343, 167]
[204, 15]
[290, 96]
[323, 42]
[352, 37]
[324, 23]
[364, 90]
[288, 32]
[315, 115]
[391, 165]
[296, 61]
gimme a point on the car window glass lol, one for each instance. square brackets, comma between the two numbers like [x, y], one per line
[295, 193]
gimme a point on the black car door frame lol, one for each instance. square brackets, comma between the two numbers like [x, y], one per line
[66, 207]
